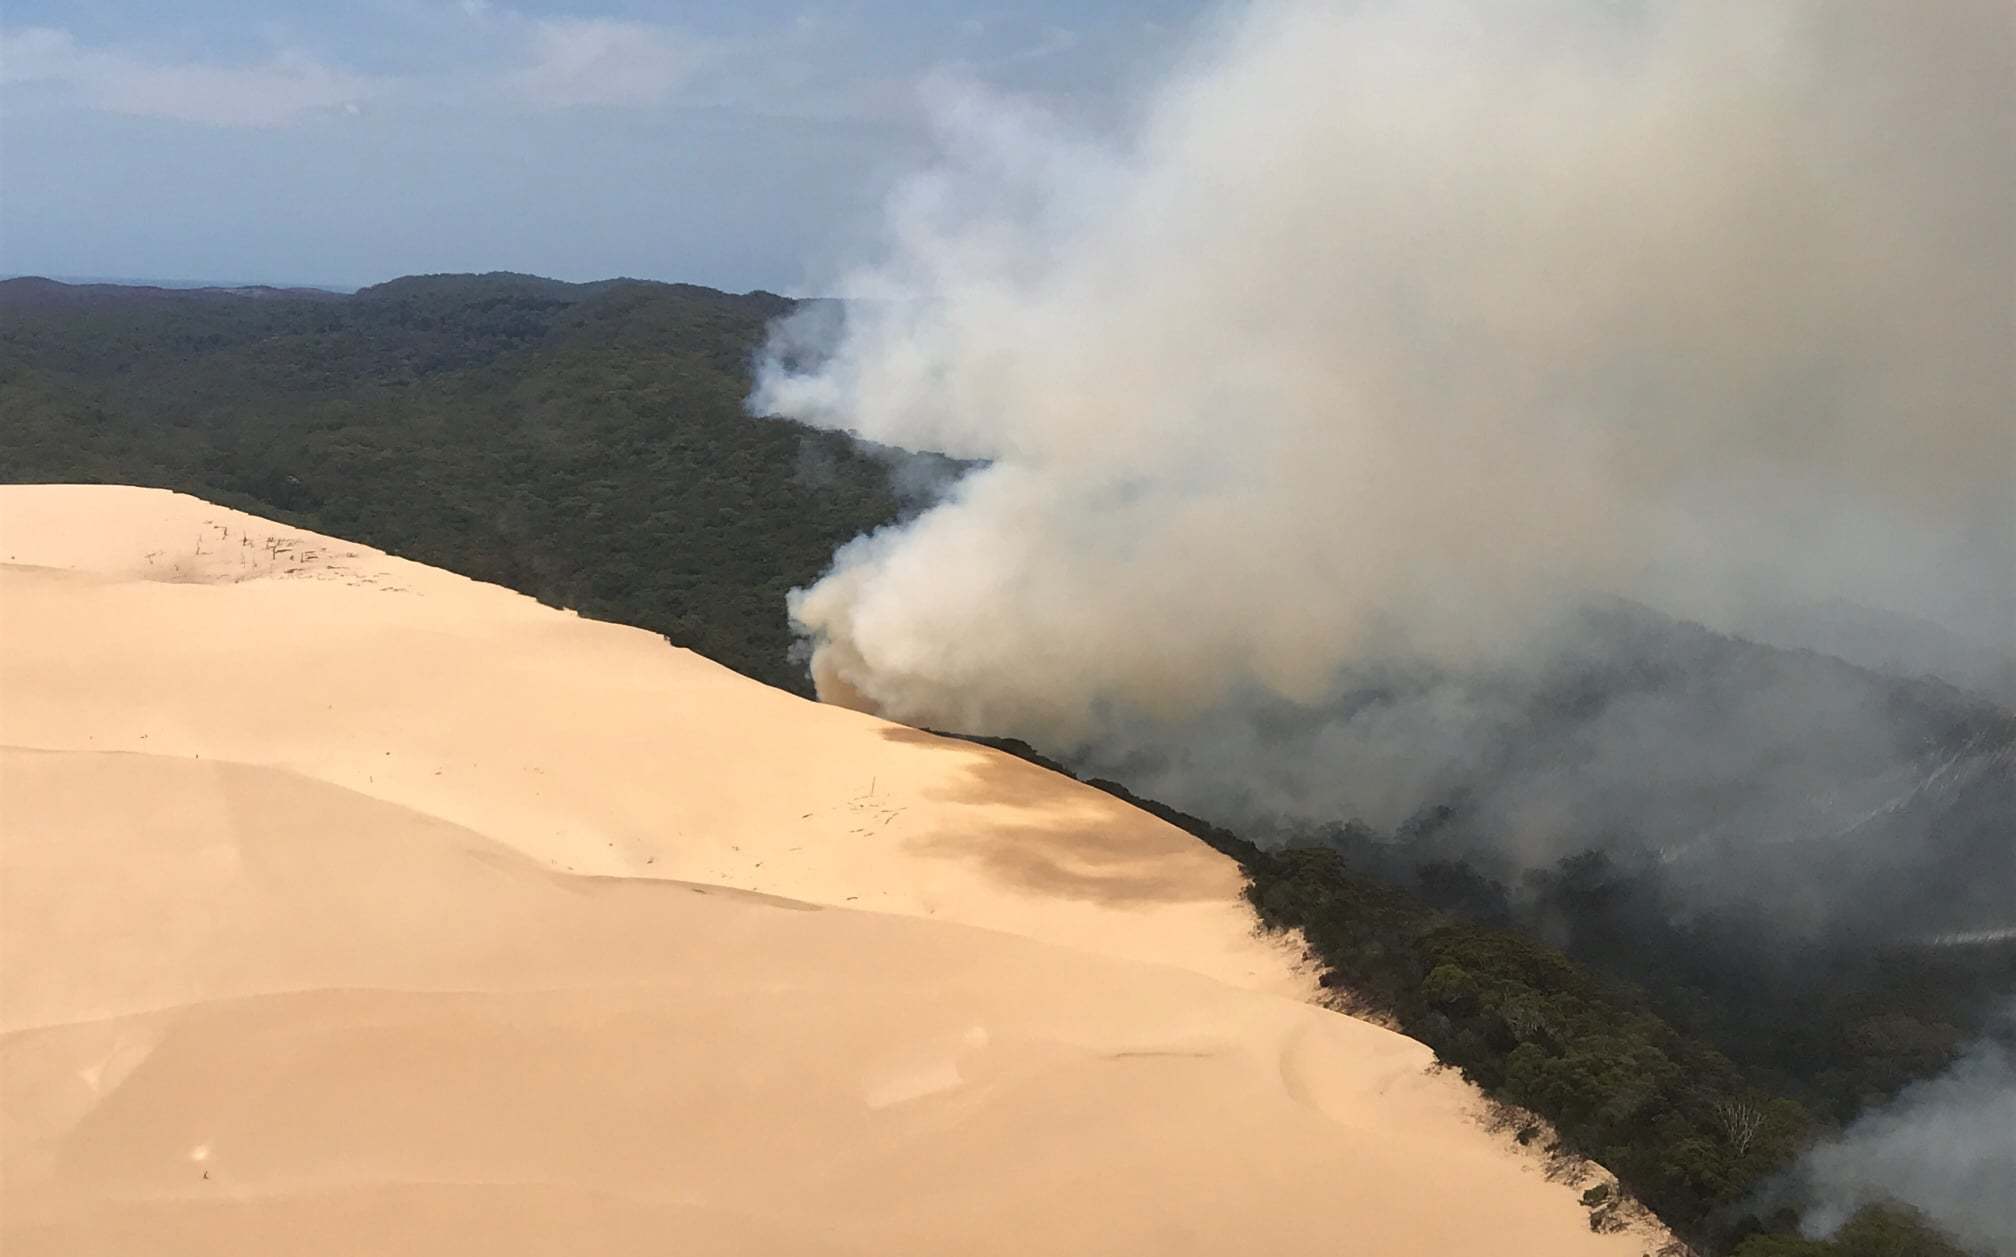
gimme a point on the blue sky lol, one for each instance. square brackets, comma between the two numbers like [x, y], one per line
[346, 141]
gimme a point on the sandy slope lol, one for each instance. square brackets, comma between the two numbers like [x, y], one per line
[347, 905]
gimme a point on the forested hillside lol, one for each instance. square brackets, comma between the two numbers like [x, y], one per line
[584, 443]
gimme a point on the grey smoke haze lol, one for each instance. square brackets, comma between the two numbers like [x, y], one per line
[1946, 1146]
[1388, 330]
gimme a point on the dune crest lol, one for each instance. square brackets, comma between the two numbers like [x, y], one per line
[350, 905]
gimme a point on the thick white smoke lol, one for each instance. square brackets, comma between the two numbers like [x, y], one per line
[1386, 327]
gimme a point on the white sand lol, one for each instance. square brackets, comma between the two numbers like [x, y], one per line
[350, 906]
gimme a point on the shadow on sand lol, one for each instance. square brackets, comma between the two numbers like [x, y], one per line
[1066, 839]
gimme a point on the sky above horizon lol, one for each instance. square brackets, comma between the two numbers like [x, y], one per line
[741, 145]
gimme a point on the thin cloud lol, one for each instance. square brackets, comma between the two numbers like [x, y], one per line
[280, 90]
[1055, 41]
[603, 61]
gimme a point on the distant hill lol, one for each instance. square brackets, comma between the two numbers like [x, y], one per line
[582, 442]
[1888, 641]
[31, 290]
[182, 281]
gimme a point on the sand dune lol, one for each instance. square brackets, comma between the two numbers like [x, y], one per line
[347, 905]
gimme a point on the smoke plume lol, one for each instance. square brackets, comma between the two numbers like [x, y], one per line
[1384, 332]
[1946, 1147]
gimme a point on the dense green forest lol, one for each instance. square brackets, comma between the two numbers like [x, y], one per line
[583, 443]
[586, 444]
